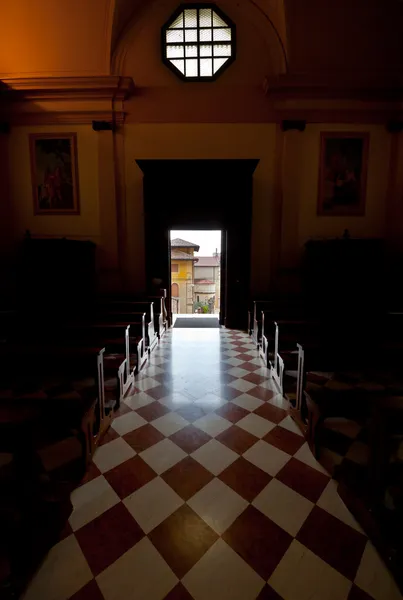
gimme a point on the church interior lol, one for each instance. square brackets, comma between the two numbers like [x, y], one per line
[258, 460]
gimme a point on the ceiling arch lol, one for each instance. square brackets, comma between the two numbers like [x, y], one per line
[75, 38]
[128, 11]
[256, 32]
[53, 39]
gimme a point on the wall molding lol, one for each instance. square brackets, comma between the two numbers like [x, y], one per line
[65, 100]
[68, 88]
[367, 87]
[336, 97]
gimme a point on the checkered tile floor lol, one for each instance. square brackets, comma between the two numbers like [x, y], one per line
[204, 488]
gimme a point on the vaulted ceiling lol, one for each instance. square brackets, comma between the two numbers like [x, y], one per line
[47, 38]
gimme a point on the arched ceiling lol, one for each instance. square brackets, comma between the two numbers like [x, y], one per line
[47, 38]
[260, 49]
[346, 35]
[127, 11]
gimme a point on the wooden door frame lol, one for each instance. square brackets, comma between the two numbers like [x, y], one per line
[228, 185]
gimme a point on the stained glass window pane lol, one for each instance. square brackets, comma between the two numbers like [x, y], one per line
[174, 51]
[179, 64]
[206, 67]
[191, 18]
[206, 50]
[205, 17]
[198, 42]
[218, 21]
[222, 50]
[174, 35]
[218, 63]
[191, 51]
[178, 23]
[206, 35]
[222, 35]
[192, 68]
[191, 35]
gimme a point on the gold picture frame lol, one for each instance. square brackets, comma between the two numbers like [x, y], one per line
[343, 173]
[54, 173]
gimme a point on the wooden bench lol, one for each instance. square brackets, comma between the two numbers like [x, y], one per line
[275, 310]
[160, 313]
[50, 406]
[65, 385]
[279, 340]
[124, 342]
[125, 307]
[138, 333]
[254, 319]
[333, 383]
[122, 345]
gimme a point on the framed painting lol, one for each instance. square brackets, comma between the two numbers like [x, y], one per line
[343, 174]
[54, 173]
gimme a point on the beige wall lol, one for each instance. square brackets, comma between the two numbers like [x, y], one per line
[83, 226]
[298, 218]
[231, 119]
[300, 221]
[45, 38]
[148, 141]
[300, 168]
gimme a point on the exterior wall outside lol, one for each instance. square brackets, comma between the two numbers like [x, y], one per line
[217, 280]
[184, 278]
[204, 297]
[204, 272]
[211, 274]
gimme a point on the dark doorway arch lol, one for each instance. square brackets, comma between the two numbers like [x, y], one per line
[202, 194]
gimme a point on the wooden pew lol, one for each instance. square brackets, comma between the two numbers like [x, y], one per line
[116, 339]
[114, 307]
[138, 336]
[279, 340]
[275, 309]
[254, 319]
[50, 403]
[344, 382]
[122, 346]
[160, 313]
[124, 342]
[65, 385]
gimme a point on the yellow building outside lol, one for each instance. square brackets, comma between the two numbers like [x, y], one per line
[182, 275]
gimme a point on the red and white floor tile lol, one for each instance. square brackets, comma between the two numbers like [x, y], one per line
[204, 488]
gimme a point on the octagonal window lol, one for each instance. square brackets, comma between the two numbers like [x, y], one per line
[198, 42]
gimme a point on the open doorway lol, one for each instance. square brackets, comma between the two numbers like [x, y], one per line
[195, 259]
[204, 194]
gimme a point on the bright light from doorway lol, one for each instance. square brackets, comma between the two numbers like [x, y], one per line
[209, 241]
[195, 272]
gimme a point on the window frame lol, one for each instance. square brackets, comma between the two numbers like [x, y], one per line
[199, 78]
[176, 270]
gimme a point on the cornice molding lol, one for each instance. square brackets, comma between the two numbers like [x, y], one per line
[65, 100]
[69, 88]
[367, 87]
[67, 117]
[333, 115]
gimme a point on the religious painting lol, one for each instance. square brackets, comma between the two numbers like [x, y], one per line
[343, 174]
[54, 173]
